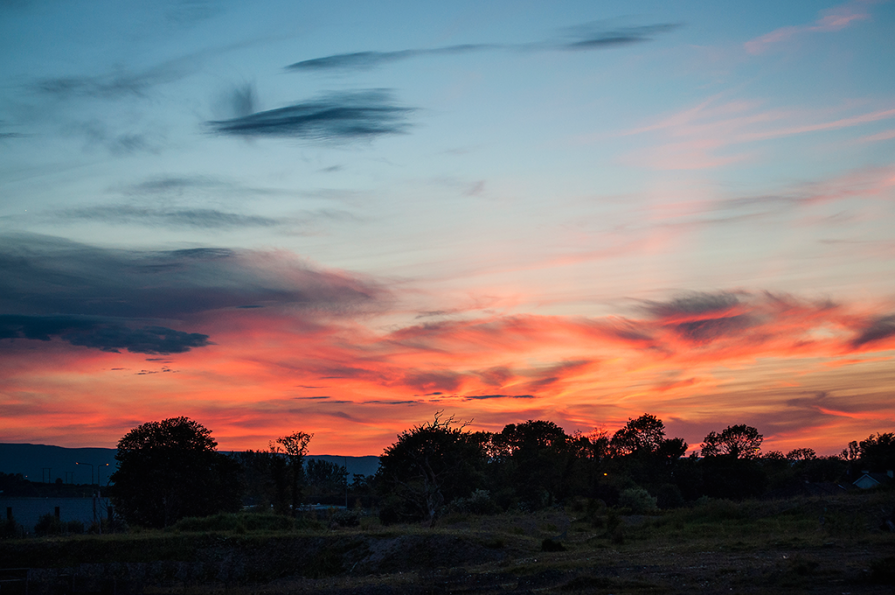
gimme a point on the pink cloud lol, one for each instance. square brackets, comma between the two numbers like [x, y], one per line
[834, 19]
[885, 135]
[707, 135]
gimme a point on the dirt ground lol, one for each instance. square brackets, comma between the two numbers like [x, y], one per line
[842, 546]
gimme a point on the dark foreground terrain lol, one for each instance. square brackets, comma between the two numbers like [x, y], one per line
[832, 545]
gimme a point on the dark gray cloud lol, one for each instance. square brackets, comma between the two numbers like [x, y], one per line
[419, 402]
[340, 116]
[171, 185]
[126, 299]
[875, 330]
[588, 37]
[180, 185]
[242, 101]
[198, 218]
[105, 334]
[703, 317]
[484, 397]
[186, 13]
[593, 38]
[98, 133]
[439, 380]
[368, 60]
[115, 85]
[701, 331]
[693, 304]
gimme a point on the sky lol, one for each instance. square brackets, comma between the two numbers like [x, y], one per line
[344, 217]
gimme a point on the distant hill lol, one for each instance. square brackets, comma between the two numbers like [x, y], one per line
[40, 462]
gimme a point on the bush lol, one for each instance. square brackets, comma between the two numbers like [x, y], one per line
[346, 518]
[882, 571]
[711, 510]
[638, 500]
[479, 502]
[76, 527]
[549, 545]
[669, 496]
[48, 524]
[11, 529]
[239, 522]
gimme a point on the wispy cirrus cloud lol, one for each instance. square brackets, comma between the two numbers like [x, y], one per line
[170, 217]
[582, 38]
[833, 19]
[716, 133]
[338, 116]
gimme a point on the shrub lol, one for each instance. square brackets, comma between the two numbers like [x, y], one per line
[618, 535]
[11, 529]
[48, 524]
[346, 518]
[479, 502]
[549, 545]
[76, 527]
[882, 571]
[669, 496]
[710, 510]
[638, 500]
[239, 522]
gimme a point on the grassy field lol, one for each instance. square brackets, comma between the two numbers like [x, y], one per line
[833, 545]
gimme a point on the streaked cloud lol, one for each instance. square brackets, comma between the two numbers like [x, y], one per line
[876, 329]
[583, 38]
[105, 334]
[370, 59]
[104, 298]
[198, 218]
[830, 20]
[716, 133]
[338, 116]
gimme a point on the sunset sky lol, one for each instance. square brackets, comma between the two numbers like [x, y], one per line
[343, 217]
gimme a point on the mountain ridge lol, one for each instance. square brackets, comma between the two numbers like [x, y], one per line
[47, 462]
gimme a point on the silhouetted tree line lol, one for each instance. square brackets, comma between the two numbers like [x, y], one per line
[438, 466]
[171, 469]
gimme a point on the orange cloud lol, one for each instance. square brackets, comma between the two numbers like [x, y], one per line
[692, 360]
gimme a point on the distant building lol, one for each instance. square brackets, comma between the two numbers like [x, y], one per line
[873, 480]
[27, 511]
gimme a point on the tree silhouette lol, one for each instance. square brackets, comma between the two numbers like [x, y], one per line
[170, 469]
[536, 459]
[878, 452]
[427, 467]
[739, 442]
[295, 448]
[643, 435]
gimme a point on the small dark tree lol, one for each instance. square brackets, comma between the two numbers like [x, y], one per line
[326, 481]
[801, 454]
[642, 452]
[294, 447]
[739, 442]
[536, 459]
[730, 468]
[643, 435]
[170, 469]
